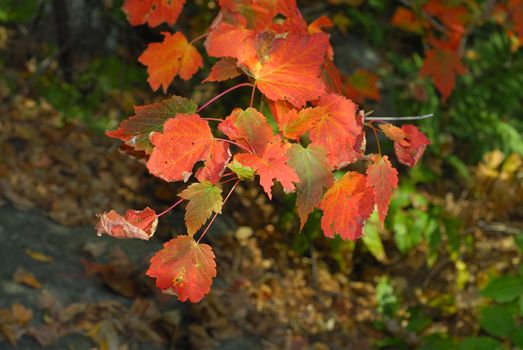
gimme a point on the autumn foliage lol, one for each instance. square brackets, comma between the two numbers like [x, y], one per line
[445, 27]
[320, 129]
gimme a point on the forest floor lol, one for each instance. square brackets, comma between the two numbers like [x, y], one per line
[61, 286]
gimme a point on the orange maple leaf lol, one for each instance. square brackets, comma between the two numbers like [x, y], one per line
[346, 206]
[184, 268]
[152, 12]
[286, 68]
[218, 42]
[173, 56]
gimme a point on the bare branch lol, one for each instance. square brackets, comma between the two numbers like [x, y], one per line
[414, 117]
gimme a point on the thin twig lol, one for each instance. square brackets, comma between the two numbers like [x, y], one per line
[252, 94]
[213, 119]
[376, 137]
[222, 94]
[234, 143]
[170, 208]
[198, 38]
[414, 117]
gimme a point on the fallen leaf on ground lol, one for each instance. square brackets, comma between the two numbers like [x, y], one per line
[25, 277]
[38, 256]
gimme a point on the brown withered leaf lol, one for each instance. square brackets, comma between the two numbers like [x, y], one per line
[25, 277]
[21, 314]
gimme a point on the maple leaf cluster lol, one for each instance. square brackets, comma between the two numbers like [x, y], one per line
[320, 131]
[444, 25]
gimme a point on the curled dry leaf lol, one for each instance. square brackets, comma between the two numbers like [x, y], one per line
[418, 142]
[139, 224]
[409, 142]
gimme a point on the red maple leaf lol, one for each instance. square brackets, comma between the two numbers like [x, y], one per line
[184, 268]
[383, 179]
[139, 224]
[346, 206]
[136, 130]
[152, 12]
[286, 68]
[222, 70]
[186, 139]
[442, 66]
[272, 165]
[216, 163]
[173, 56]
[249, 128]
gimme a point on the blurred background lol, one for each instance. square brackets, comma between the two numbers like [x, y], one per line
[444, 273]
